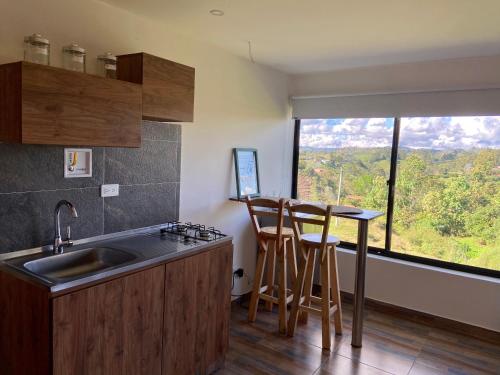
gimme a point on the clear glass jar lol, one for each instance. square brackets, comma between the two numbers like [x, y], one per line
[106, 65]
[37, 49]
[74, 58]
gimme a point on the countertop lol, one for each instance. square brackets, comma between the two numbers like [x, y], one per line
[150, 247]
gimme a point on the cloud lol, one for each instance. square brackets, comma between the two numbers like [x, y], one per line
[337, 133]
[416, 132]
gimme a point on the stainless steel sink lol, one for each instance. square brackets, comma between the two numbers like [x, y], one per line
[78, 264]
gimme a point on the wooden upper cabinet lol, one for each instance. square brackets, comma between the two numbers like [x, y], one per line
[46, 105]
[167, 87]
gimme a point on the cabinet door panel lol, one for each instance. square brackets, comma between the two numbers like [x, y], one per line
[70, 108]
[219, 311]
[167, 86]
[182, 320]
[197, 309]
[46, 105]
[111, 328]
[24, 327]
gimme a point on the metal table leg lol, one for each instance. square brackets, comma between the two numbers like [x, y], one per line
[359, 286]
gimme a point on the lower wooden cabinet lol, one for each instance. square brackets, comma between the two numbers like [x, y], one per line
[197, 313]
[111, 328]
[172, 319]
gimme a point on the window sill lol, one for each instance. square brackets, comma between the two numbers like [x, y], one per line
[422, 266]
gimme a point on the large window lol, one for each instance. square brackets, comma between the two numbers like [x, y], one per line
[347, 161]
[446, 178]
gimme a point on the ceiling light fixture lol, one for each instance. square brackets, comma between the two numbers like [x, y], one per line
[216, 12]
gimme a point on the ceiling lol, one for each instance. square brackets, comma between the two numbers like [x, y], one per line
[301, 36]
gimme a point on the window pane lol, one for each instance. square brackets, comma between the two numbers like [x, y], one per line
[346, 162]
[447, 203]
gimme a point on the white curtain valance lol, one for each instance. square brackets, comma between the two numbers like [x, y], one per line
[438, 103]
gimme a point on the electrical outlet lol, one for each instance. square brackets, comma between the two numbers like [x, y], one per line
[239, 273]
[110, 190]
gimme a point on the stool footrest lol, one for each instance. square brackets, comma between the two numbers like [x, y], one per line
[333, 307]
[275, 300]
[267, 297]
[265, 288]
[310, 309]
[317, 300]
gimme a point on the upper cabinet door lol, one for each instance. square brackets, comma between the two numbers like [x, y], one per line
[168, 87]
[47, 105]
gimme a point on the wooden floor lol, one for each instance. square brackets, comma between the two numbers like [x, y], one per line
[391, 345]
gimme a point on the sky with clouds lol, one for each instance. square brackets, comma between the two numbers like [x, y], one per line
[416, 132]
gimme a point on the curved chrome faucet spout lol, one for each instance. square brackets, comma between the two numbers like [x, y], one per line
[59, 244]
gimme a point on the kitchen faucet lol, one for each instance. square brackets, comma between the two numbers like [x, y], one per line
[58, 247]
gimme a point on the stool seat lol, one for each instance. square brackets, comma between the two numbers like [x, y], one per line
[271, 232]
[315, 239]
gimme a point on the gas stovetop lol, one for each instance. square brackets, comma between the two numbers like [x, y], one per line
[189, 233]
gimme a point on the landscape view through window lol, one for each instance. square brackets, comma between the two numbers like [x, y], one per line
[447, 200]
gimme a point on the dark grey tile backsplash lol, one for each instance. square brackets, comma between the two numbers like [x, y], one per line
[34, 168]
[32, 182]
[27, 219]
[129, 211]
[155, 162]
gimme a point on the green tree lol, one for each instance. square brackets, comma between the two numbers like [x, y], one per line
[483, 164]
[448, 208]
[362, 184]
[482, 219]
[484, 223]
[376, 198]
[410, 185]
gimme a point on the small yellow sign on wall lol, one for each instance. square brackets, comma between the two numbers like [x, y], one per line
[77, 162]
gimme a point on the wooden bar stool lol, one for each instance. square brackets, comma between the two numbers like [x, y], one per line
[275, 243]
[325, 245]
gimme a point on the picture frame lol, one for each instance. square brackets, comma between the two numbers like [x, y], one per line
[247, 172]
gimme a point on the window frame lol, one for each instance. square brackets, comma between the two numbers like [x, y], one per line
[391, 191]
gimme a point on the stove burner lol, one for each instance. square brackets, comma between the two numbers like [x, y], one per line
[204, 233]
[190, 233]
[180, 228]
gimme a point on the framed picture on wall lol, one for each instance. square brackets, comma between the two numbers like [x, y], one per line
[247, 172]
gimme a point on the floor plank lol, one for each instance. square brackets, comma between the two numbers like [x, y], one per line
[337, 364]
[391, 345]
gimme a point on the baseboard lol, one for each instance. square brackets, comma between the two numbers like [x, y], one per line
[420, 317]
[428, 319]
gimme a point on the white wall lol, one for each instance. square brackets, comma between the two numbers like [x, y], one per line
[454, 295]
[237, 103]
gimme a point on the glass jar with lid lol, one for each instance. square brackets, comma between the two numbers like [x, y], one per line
[106, 65]
[37, 49]
[74, 58]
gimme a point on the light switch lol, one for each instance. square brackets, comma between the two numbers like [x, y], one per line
[110, 190]
[77, 162]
